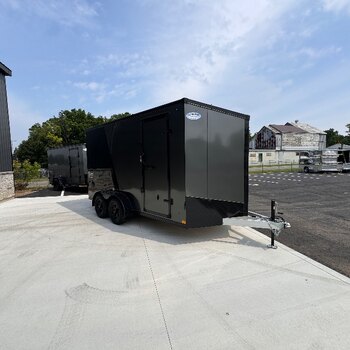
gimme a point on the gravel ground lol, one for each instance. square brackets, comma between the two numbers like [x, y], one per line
[318, 208]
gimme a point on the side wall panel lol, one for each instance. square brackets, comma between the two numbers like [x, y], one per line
[226, 157]
[98, 152]
[196, 145]
[124, 138]
[5, 138]
[177, 162]
[126, 151]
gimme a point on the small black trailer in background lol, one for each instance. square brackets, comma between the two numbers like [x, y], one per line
[67, 166]
[185, 162]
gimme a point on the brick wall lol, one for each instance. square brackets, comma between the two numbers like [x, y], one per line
[6, 185]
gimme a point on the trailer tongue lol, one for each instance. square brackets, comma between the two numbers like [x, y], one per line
[273, 223]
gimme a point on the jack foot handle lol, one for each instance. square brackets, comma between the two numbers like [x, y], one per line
[272, 246]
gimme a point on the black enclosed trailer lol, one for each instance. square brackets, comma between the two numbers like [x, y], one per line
[67, 166]
[185, 162]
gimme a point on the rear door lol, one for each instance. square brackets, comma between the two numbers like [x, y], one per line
[74, 166]
[155, 161]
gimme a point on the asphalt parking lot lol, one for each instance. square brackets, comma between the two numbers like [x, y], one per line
[318, 208]
[70, 280]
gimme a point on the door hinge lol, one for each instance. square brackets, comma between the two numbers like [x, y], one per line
[169, 200]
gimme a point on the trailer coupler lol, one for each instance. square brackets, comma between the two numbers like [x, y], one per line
[274, 223]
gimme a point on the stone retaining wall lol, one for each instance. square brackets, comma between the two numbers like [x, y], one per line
[7, 189]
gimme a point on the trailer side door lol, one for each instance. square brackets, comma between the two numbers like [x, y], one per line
[155, 161]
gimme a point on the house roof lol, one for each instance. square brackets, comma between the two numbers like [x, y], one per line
[5, 70]
[306, 127]
[285, 129]
[339, 146]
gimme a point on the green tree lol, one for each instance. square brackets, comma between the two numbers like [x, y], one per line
[347, 138]
[34, 148]
[251, 136]
[67, 128]
[71, 125]
[119, 116]
[333, 137]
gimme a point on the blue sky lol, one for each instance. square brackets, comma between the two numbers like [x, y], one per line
[277, 61]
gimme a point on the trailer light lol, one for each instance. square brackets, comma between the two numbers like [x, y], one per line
[183, 222]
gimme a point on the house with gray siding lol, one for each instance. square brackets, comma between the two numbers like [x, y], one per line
[6, 171]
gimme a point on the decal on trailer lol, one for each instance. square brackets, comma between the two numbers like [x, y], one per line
[193, 116]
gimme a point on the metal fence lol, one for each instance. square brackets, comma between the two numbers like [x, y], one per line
[273, 166]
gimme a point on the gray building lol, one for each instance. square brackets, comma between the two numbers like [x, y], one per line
[6, 172]
[290, 137]
[282, 143]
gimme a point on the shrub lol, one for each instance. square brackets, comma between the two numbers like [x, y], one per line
[24, 172]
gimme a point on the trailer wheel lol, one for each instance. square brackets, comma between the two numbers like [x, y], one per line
[306, 169]
[101, 207]
[116, 211]
[56, 185]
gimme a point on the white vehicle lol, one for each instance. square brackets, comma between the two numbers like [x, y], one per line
[319, 161]
[343, 159]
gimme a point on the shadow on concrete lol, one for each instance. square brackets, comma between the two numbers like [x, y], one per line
[163, 232]
[49, 192]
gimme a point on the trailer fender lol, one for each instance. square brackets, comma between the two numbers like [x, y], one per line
[128, 202]
[105, 194]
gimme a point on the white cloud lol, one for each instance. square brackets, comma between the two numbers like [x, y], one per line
[64, 12]
[319, 53]
[321, 101]
[129, 65]
[92, 86]
[120, 59]
[337, 5]
[98, 91]
[207, 41]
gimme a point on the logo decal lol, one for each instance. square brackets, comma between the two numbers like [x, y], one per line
[193, 116]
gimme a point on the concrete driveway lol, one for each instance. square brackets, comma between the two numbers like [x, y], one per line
[69, 280]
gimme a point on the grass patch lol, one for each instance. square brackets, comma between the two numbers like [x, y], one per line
[285, 168]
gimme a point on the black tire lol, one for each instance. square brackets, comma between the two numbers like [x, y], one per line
[116, 211]
[101, 206]
[57, 186]
[306, 169]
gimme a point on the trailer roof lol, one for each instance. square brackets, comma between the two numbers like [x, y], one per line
[182, 100]
[215, 108]
[67, 146]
